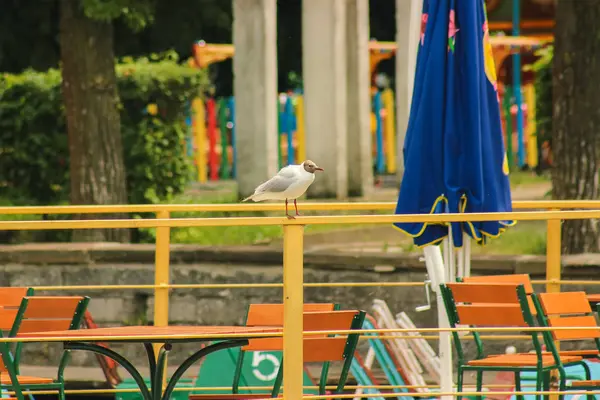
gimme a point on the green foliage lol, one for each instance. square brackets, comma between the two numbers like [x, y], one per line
[34, 145]
[543, 93]
[33, 142]
[136, 13]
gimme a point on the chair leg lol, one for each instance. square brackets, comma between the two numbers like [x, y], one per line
[459, 383]
[546, 384]
[61, 393]
[562, 386]
[518, 385]
[588, 377]
[539, 383]
[479, 385]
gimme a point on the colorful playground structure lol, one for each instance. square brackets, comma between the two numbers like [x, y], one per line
[212, 128]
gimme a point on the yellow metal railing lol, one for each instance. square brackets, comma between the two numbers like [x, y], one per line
[293, 230]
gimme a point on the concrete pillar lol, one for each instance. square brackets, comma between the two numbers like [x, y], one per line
[324, 75]
[408, 23]
[360, 170]
[255, 89]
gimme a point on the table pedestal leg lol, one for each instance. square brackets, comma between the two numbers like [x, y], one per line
[94, 348]
[195, 357]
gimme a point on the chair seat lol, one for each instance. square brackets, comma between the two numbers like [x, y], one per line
[585, 384]
[25, 380]
[581, 353]
[519, 360]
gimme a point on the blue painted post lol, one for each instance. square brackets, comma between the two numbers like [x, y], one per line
[380, 157]
[289, 129]
[189, 141]
[231, 122]
[516, 31]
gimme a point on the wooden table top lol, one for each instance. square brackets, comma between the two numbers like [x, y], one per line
[156, 333]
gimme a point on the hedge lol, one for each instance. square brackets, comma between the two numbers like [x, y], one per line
[543, 94]
[154, 95]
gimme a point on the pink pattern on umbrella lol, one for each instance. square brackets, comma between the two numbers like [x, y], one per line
[424, 18]
[452, 31]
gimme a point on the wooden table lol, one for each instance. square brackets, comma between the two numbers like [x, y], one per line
[84, 339]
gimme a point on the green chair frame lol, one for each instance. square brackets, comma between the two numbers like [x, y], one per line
[10, 359]
[543, 372]
[550, 345]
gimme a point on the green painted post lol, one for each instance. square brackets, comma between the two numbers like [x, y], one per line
[222, 118]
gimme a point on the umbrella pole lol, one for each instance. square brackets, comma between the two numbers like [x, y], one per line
[445, 342]
[467, 254]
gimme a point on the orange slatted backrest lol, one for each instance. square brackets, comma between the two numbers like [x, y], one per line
[316, 348]
[272, 314]
[487, 304]
[565, 309]
[49, 313]
[522, 279]
[10, 300]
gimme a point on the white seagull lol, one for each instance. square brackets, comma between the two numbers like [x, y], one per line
[290, 183]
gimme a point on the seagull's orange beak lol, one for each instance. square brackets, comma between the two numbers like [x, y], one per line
[319, 169]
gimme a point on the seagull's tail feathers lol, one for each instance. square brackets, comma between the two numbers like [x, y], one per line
[248, 198]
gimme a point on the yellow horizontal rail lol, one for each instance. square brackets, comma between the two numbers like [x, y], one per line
[275, 285]
[308, 220]
[243, 207]
[453, 394]
[228, 285]
[220, 388]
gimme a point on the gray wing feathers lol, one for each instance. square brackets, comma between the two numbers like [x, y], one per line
[276, 184]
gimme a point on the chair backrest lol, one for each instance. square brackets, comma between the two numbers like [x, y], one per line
[316, 348]
[49, 313]
[522, 279]
[272, 314]
[40, 314]
[564, 309]
[487, 305]
[11, 297]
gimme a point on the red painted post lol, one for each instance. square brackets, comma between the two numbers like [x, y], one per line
[213, 162]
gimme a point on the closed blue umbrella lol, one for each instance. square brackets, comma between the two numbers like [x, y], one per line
[455, 160]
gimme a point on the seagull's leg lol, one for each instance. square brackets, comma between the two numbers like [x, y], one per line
[296, 207]
[286, 210]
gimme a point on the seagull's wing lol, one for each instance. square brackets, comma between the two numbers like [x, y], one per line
[277, 184]
[288, 172]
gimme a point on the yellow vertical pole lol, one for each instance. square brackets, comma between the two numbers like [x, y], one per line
[389, 130]
[293, 304]
[300, 136]
[200, 136]
[161, 277]
[532, 149]
[553, 265]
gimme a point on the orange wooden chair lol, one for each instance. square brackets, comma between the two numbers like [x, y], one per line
[570, 309]
[525, 280]
[498, 305]
[316, 348]
[37, 314]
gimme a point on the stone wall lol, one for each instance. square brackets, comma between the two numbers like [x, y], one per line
[113, 264]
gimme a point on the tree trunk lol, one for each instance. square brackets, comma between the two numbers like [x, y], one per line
[90, 94]
[576, 120]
